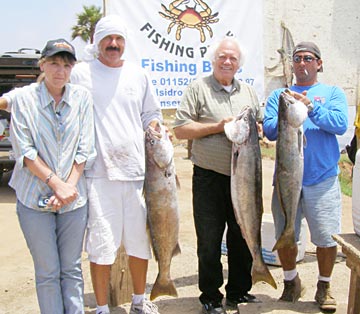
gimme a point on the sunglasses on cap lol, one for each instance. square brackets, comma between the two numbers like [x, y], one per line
[306, 59]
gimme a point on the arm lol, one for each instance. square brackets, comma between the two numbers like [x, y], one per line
[75, 174]
[195, 129]
[333, 117]
[151, 111]
[86, 152]
[271, 115]
[187, 125]
[4, 104]
[64, 192]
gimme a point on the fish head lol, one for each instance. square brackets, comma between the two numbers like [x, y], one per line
[238, 130]
[158, 146]
[292, 110]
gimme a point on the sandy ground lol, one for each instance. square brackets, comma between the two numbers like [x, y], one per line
[17, 291]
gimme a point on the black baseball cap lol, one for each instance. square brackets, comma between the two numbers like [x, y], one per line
[309, 47]
[58, 45]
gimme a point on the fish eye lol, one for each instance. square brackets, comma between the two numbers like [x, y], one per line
[152, 142]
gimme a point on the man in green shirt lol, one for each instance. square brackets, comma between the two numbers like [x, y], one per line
[209, 103]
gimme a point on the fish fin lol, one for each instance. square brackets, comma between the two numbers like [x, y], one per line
[286, 240]
[160, 289]
[304, 141]
[176, 250]
[235, 157]
[260, 272]
[177, 182]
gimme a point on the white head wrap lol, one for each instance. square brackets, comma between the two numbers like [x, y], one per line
[108, 25]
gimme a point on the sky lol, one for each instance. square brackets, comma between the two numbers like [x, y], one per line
[31, 23]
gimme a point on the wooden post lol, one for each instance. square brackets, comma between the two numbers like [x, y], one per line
[121, 287]
[350, 244]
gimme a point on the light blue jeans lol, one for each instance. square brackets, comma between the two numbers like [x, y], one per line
[55, 242]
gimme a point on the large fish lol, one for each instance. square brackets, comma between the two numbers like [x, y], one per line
[161, 201]
[289, 164]
[246, 187]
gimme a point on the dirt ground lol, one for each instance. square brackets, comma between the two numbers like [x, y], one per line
[17, 291]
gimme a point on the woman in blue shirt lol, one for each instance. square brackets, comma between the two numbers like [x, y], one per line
[52, 135]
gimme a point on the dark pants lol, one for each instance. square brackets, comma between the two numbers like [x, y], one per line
[212, 211]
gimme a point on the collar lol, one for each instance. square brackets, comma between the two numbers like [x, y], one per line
[47, 99]
[218, 87]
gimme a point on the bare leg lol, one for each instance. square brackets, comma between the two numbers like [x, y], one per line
[293, 289]
[287, 257]
[138, 268]
[100, 277]
[326, 259]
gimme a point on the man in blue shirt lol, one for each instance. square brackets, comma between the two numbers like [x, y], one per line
[320, 200]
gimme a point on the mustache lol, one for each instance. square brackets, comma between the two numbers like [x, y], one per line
[112, 48]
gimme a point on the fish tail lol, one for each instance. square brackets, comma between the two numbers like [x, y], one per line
[286, 240]
[260, 272]
[159, 289]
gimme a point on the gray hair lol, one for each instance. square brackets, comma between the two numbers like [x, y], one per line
[215, 46]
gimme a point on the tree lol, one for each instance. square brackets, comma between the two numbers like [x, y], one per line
[86, 22]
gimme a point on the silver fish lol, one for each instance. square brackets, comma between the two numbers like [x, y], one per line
[289, 167]
[162, 206]
[246, 188]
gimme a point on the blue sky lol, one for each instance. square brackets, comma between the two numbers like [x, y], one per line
[30, 23]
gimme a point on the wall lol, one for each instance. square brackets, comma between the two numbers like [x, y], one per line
[334, 25]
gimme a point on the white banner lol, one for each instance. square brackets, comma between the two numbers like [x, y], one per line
[170, 40]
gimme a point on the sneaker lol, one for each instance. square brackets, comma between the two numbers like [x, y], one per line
[293, 290]
[247, 298]
[213, 308]
[324, 298]
[146, 307]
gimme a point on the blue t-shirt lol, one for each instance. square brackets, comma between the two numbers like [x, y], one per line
[328, 119]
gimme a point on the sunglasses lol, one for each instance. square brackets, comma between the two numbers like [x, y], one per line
[306, 59]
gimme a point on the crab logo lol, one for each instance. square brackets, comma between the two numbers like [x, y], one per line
[189, 17]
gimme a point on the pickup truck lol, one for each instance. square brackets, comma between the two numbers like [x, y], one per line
[16, 69]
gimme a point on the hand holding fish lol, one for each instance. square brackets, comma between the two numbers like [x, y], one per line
[302, 97]
[222, 123]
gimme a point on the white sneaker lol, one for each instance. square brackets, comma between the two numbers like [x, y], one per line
[146, 307]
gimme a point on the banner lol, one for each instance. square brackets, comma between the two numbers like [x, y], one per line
[171, 39]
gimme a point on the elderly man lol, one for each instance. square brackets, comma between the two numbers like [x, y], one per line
[124, 106]
[209, 103]
[320, 200]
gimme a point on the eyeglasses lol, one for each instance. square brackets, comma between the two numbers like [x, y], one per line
[306, 59]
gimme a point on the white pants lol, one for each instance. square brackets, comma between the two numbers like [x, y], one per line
[117, 214]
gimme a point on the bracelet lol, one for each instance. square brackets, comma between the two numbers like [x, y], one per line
[49, 177]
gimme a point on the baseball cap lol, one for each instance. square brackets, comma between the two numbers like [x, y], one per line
[309, 47]
[58, 45]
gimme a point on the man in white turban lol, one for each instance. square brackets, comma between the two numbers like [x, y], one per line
[124, 106]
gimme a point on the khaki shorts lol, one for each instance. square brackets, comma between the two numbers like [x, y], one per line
[117, 214]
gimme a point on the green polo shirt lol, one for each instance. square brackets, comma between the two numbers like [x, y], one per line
[206, 101]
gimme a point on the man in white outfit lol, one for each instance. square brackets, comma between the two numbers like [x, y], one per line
[124, 106]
